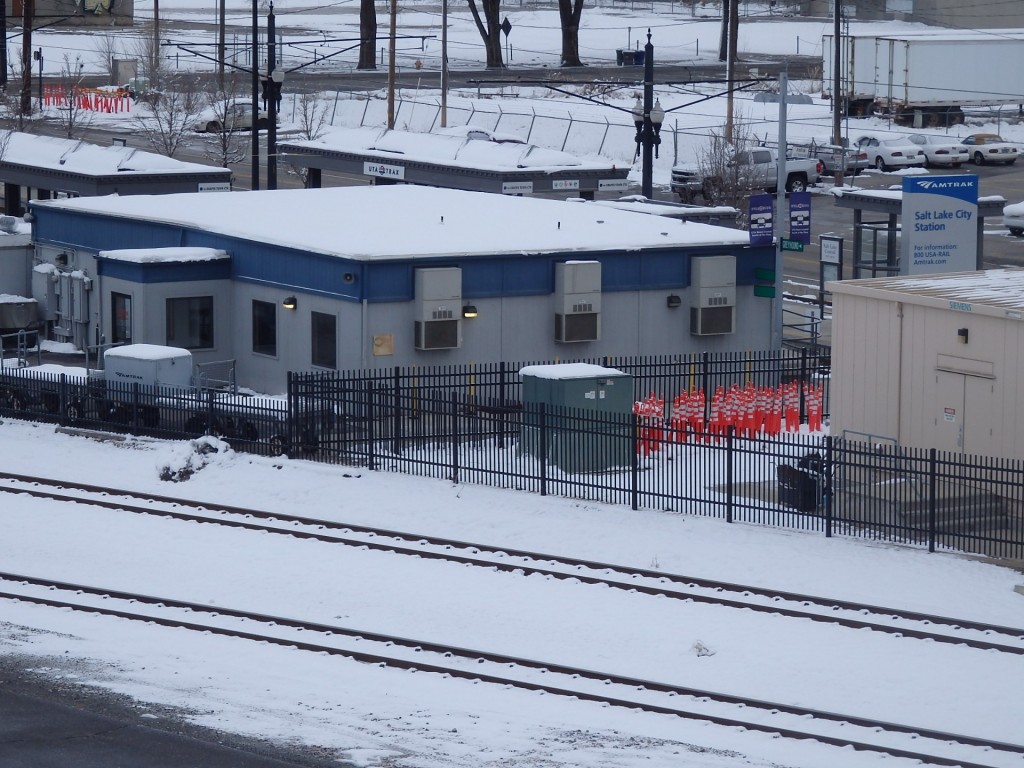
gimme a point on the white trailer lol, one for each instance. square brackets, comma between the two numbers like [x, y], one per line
[926, 78]
[149, 365]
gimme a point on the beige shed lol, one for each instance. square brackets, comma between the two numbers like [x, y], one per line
[932, 361]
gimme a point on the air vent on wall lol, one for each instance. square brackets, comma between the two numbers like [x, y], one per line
[437, 334]
[578, 327]
[711, 321]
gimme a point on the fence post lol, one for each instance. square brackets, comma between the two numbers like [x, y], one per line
[396, 441]
[455, 436]
[634, 462]
[543, 441]
[828, 469]
[805, 381]
[135, 407]
[730, 434]
[371, 420]
[932, 481]
[62, 393]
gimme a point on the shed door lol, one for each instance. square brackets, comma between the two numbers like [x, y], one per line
[964, 421]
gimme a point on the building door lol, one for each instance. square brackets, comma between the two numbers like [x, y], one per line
[965, 419]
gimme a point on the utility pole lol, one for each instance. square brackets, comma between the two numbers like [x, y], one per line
[444, 63]
[3, 48]
[29, 11]
[778, 218]
[272, 89]
[838, 103]
[221, 45]
[391, 65]
[255, 140]
[154, 58]
[730, 67]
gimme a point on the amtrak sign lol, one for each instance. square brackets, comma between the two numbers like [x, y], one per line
[940, 224]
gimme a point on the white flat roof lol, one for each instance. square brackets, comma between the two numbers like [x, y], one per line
[407, 221]
[999, 290]
[454, 148]
[91, 159]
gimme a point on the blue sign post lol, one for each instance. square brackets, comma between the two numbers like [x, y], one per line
[940, 224]
[761, 220]
[800, 216]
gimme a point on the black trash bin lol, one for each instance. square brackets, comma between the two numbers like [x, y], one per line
[798, 488]
[618, 56]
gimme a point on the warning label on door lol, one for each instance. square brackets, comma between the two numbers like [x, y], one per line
[949, 414]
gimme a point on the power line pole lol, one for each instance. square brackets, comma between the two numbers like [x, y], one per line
[255, 139]
[29, 12]
[730, 66]
[444, 63]
[221, 44]
[838, 105]
[778, 218]
[391, 65]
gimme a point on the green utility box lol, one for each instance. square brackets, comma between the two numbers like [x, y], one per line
[586, 424]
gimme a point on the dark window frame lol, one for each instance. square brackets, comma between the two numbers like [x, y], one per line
[264, 328]
[323, 340]
[199, 316]
[125, 302]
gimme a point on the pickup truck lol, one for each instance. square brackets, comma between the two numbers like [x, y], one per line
[760, 168]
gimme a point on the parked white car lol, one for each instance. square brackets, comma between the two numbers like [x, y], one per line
[231, 116]
[941, 150]
[991, 148]
[886, 153]
[1013, 219]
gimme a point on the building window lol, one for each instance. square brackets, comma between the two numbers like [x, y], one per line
[190, 322]
[264, 328]
[324, 334]
[120, 318]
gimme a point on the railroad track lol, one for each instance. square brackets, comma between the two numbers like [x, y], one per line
[894, 621]
[863, 734]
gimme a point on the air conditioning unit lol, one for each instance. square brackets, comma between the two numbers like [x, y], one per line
[578, 301]
[713, 295]
[438, 308]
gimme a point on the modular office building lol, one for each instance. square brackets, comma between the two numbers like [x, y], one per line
[370, 277]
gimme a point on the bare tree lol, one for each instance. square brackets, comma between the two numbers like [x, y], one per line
[73, 114]
[171, 117]
[224, 145]
[312, 122]
[489, 28]
[11, 115]
[725, 182]
[147, 51]
[367, 35]
[108, 46]
[569, 13]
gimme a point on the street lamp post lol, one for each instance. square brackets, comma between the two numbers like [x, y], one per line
[648, 117]
[272, 94]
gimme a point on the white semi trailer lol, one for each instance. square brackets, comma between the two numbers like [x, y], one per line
[925, 78]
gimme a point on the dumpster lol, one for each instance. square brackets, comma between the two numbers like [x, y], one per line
[638, 57]
[629, 58]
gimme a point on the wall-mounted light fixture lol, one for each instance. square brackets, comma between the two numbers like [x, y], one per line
[961, 335]
[469, 311]
[290, 303]
[673, 301]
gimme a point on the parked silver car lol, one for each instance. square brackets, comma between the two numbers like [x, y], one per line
[832, 156]
[230, 116]
[941, 150]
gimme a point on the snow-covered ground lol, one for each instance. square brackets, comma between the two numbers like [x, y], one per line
[378, 716]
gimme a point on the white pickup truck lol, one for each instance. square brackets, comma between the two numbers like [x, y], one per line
[760, 170]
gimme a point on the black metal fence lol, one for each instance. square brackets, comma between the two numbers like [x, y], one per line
[469, 424]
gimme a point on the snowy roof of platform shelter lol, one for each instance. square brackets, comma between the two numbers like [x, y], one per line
[406, 221]
[75, 156]
[460, 146]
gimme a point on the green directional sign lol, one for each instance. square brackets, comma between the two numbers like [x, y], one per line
[792, 245]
